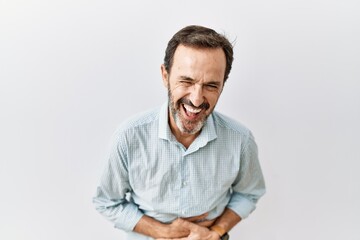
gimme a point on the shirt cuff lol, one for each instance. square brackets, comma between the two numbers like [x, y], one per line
[129, 218]
[241, 205]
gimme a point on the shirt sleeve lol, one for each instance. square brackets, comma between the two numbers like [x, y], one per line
[111, 198]
[249, 185]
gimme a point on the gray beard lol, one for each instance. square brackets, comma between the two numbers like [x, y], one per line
[179, 122]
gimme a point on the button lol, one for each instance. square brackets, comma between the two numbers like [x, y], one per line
[184, 183]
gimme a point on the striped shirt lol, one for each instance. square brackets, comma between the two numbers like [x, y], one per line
[149, 172]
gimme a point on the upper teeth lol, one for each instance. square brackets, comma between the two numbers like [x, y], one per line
[191, 109]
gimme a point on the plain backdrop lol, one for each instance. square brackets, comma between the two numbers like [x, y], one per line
[71, 71]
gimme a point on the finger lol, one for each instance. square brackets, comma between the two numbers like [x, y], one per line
[196, 218]
[172, 238]
[206, 223]
[189, 225]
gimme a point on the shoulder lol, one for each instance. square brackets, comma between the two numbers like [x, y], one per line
[139, 120]
[230, 125]
[138, 126]
[229, 128]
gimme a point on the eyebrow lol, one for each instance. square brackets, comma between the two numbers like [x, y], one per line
[187, 78]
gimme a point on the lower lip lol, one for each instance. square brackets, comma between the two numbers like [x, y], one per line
[193, 117]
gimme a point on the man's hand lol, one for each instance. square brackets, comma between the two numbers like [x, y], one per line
[177, 229]
[195, 230]
[200, 220]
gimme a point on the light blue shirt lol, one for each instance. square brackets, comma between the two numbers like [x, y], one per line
[149, 172]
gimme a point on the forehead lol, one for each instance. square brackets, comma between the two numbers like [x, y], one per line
[208, 61]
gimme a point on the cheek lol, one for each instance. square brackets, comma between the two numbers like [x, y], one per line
[178, 93]
[212, 99]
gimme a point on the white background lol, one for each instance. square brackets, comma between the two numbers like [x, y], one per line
[71, 71]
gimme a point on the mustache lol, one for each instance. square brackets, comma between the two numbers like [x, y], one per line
[204, 105]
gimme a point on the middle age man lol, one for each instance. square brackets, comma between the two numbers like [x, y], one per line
[183, 159]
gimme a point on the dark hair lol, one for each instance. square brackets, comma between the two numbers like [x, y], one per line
[199, 37]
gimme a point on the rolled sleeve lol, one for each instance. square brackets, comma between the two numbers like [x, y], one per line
[125, 215]
[249, 185]
[111, 199]
[241, 205]
[129, 218]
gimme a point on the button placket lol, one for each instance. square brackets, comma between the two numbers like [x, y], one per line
[183, 200]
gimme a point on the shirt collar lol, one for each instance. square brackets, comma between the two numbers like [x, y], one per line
[164, 129]
[208, 132]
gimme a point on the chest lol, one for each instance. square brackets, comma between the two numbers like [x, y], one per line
[168, 166]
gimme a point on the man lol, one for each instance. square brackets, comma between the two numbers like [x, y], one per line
[183, 171]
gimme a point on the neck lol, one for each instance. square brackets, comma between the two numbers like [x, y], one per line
[185, 139]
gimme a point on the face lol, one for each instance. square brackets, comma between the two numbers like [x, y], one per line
[194, 85]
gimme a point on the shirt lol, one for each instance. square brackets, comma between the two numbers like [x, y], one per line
[149, 172]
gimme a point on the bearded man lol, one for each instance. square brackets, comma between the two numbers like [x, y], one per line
[183, 170]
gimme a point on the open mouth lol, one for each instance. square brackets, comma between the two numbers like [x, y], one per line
[191, 112]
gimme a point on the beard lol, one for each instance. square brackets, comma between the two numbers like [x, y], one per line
[185, 125]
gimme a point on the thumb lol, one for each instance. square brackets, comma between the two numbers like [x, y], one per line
[198, 218]
[188, 225]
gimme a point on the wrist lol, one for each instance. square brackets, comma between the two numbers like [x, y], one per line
[165, 231]
[218, 229]
[151, 227]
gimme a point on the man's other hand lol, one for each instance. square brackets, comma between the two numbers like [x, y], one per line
[195, 228]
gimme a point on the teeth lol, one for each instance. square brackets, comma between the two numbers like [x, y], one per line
[191, 109]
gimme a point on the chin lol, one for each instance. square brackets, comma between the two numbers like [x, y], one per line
[193, 129]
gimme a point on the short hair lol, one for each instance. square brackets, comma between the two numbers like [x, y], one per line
[199, 37]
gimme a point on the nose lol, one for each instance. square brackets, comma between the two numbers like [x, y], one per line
[197, 95]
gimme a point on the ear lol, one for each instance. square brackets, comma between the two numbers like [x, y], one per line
[165, 76]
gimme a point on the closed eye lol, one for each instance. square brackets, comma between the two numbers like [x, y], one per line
[186, 82]
[212, 86]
